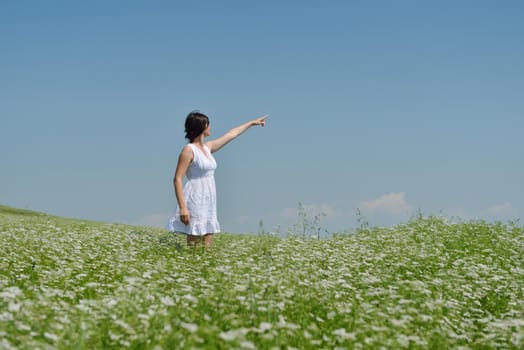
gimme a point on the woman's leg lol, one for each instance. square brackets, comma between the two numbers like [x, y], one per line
[193, 241]
[207, 240]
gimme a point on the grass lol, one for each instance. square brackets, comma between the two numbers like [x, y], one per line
[426, 284]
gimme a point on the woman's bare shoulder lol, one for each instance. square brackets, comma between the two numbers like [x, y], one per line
[187, 152]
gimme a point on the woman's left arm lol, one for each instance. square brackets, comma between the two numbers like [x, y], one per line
[216, 144]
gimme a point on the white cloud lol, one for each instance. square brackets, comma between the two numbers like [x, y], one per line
[500, 209]
[326, 217]
[154, 220]
[391, 203]
[311, 211]
[458, 213]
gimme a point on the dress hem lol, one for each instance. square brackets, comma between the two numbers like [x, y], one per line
[193, 234]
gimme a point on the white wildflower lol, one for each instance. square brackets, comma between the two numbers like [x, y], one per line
[13, 307]
[191, 298]
[10, 293]
[398, 323]
[240, 287]
[111, 302]
[403, 340]
[228, 336]
[248, 345]
[307, 335]
[426, 318]
[516, 339]
[51, 336]
[6, 316]
[168, 328]
[4, 344]
[21, 327]
[233, 334]
[114, 337]
[342, 333]
[125, 326]
[264, 326]
[167, 301]
[191, 327]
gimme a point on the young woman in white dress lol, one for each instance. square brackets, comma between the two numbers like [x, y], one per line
[196, 214]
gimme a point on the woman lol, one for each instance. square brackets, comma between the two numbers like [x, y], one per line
[196, 213]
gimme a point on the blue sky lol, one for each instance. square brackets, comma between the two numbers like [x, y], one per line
[387, 106]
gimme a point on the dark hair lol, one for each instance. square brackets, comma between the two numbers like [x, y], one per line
[196, 123]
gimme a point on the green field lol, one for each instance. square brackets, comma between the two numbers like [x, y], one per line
[426, 284]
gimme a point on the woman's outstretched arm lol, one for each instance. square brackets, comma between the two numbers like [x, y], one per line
[216, 144]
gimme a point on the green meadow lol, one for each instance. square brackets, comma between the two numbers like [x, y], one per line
[430, 283]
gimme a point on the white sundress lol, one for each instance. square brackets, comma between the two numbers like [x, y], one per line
[200, 196]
